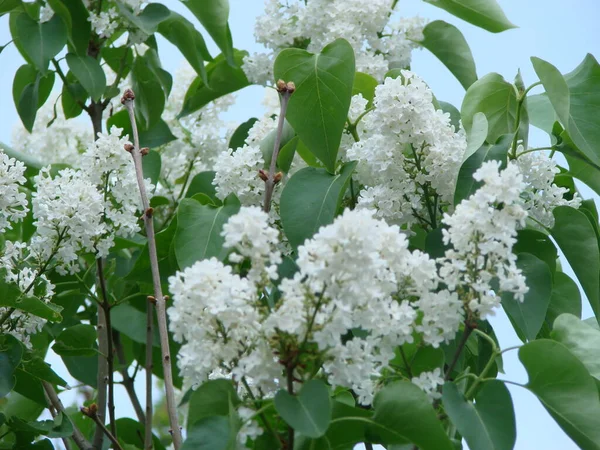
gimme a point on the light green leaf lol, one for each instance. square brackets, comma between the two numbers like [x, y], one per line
[447, 43]
[181, 33]
[406, 409]
[223, 79]
[38, 42]
[309, 412]
[213, 15]
[12, 297]
[528, 316]
[311, 198]
[486, 14]
[538, 244]
[487, 425]
[497, 99]
[89, 73]
[581, 339]
[454, 113]
[564, 386]
[212, 398]
[565, 298]
[199, 229]
[131, 322]
[556, 88]
[318, 109]
[466, 184]
[30, 91]
[478, 134]
[210, 433]
[365, 85]
[576, 237]
[541, 113]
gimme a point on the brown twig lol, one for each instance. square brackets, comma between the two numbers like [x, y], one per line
[272, 178]
[91, 412]
[148, 366]
[469, 327]
[55, 401]
[290, 388]
[161, 310]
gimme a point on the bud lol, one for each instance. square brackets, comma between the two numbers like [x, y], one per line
[144, 151]
[277, 178]
[128, 147]
[291, 87]
[166, 298]
[281, 86]
[148, 213]
[127, 96]
[151, 299]
[263, 175]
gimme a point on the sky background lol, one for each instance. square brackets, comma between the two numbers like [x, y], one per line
[557, 31]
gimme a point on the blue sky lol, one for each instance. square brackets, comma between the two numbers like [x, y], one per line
[557, 31]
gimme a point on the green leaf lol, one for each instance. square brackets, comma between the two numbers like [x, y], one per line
[223, 79]
[581, 339]
[77, 340]
[199, 228]
[466, 184]
[149, 94]
[131, 322]
[478, 134]
[151, 164]
[267, 145]
[576, 237]
[447, 43]
[318, 109]
[182, 34]
[239, 136]
[309, 412]
[60, 427]
[585, 172]
[210, 433]
[556, 88]
[538, 244]
[486, 14]
[89, 73]
[528, 316]
[38, 42]
[8, 5]
[584, 89]
[80, 27]
[83, 368]
[72, 96]
[129, 431]
[487, 425]
[286, 155]
[11, 352]
[41, 370]
[541, 113]
[310, 199]
[212, 398]
[202, 183]
[564, 386]
[497, 99]
[566, 298]
[213, 15]
[365, 85]
[454, 114]
[406, 409]
[11, 297]
[30, 91]
[158, 135]
[149, 19]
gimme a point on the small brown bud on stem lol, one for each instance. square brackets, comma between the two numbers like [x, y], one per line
[128, 147]
[277, 178]
[144, 151]
[127, 96]
[151, 299]
[263, 174]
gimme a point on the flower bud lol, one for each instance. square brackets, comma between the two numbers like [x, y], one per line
[127, 96]
[277, 178]
[291, 87]
[281, 86]
[263, 175]
[144, 151]
[128, 147]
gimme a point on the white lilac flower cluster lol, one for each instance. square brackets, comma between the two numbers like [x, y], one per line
[541, 195]
[106, 22]
[13, 202]
[429, 382]
[223, 319]
[482, 231]
[378, 45]
[408, 152]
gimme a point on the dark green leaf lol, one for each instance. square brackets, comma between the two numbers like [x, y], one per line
[83, 368]
[487, 425]
[556, 88]
[239, 136]
[11, 352]
[210, 433]
[564, 386]
[311, 199]
[41, 370]
[581, 339]
[223, 79]
[267, 145]
[11, 297]
[538, 244]
[286, 155]
[497, 99]
[309, 412]
[406, 409]
[151, 164]
[77, 340]
[8, 5]
[199, 228]
[131, 322]
[528, 316]
[203, 183]
[129, 432]
[80, 27]
[30, 91]
[158, 135]
[149, 19]
[212, 398]
[576, 237]
[149, 94]
[72, 97]
[447, 43]
[466, 184]
[486, 14]
[318, 109]
[454, 115]
[88, 72]
[365, 85]
[213, 15]
[38, 42]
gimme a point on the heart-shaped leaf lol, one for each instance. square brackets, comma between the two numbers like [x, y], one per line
[309, 413]
[581, 339]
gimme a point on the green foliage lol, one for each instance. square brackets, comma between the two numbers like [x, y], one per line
[89, 73]
[77, 340]
[581, 339]
[319, 107]
[486, 14]
[309, 412]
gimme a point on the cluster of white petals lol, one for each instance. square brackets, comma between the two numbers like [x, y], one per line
[408, 152]
[236, 172]
[13, 202]
[378, 44]
[430, 383]
[105, 23]
[542, 195]
[482, 232]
